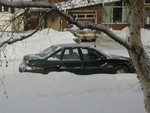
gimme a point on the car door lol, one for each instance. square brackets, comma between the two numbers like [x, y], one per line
[94, 62]
[71, 61]
[54, 60]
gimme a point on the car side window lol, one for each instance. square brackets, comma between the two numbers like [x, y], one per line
[90, 54]
[71, 54]
[85, 53]
[56, 56]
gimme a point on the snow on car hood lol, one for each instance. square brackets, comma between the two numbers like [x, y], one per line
[118, 57]
[32, 57]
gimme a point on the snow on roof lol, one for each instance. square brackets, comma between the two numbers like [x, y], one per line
[76, 4]
[83, 3]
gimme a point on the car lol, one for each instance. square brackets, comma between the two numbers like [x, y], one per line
[72, 28]
[84, 34]
[80, 59]
[87, 35]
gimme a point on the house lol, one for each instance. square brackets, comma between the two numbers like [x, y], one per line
[112, 13]
[7, 21]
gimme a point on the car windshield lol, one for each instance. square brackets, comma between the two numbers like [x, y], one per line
[48, 51]
[106, 55]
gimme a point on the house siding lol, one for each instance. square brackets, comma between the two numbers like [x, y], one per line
[60, 23]
[96, 9]
[98, 20]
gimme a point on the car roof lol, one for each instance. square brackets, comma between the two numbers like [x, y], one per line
[72, 45]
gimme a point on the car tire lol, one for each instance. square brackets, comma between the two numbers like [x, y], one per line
[20, 70]
[120, 70]
[47, 70]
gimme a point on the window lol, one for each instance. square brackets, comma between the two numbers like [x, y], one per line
[90, 16]
[56, 56]
[115, 13]
[12, 10]
[113, 4]
[71, 54]
[5, 8]
[147, 1]
[83, 14]
[48, 51]
[0, 8]
[90, 54]
[147, 17]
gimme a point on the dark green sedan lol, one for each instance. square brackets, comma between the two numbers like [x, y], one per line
[75, 58]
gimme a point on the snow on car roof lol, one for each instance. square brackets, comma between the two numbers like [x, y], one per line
[72, 45]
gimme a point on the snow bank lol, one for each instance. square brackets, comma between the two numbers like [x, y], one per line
[29, 86]
[64, 92]
[36, 43]
[145, 34]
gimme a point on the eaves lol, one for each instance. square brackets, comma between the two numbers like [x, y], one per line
[85, 4]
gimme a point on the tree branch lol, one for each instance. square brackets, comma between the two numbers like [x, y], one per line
[11, 41]
[69, 18]
[25, 4]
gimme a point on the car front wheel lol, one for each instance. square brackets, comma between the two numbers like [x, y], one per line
[47, 70]
[120, 69]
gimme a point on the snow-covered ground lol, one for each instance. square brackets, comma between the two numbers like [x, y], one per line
[66, 92]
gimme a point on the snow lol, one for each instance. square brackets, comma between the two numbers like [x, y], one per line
[66, 92]
[144, 34]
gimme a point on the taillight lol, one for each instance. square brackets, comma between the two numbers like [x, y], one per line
[82, 32]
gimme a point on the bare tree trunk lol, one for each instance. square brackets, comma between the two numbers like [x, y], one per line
[137, 53]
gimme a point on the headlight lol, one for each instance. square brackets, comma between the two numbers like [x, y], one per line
[30, 64]
[27, 62]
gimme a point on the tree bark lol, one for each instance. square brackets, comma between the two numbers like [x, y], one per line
[138, 55]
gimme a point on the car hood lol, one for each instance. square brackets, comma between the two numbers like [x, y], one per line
[32, 57]
[118, 57]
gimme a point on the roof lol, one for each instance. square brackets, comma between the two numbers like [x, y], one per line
[73, 5]
[66, 6]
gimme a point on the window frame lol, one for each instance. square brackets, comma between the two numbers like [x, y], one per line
[84, 14]
[146, 2]
[70, 54]
[86, 54]
[146, 21]
[54, 54]
[108, 14]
